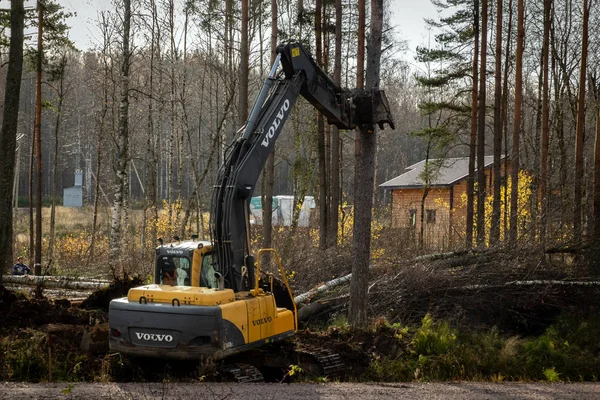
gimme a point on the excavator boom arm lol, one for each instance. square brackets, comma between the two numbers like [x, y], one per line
[247, 156]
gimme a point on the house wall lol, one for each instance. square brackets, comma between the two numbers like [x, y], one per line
[449, 204]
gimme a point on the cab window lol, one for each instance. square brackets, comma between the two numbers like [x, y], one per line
[207, 278]
[174, 270]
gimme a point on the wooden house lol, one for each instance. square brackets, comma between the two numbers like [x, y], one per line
[445, 206]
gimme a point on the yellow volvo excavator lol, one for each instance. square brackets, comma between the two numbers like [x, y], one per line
[206, 299]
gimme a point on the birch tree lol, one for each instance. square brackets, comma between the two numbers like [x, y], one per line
[121, 176]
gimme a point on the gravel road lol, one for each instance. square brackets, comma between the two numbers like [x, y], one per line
[329, 391]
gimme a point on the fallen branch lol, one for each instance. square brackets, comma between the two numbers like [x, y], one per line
[305, 297]
[56, 282]
[527, 283]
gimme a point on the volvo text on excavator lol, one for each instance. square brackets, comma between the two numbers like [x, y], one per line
[206, 300]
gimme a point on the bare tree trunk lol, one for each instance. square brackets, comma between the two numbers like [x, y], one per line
[269, 175]
[31, 251]
[507, 58]
[495, 226]
[172, 135]
[38, 144]
[323, 220]
[106, 40]
[335, 135]
[514, 194]
[61, 95]
[422, 216]
[481, 184]
[580, 133]
[543, 200]
[8, 135]
[473, 138]
[152, 160]
[115, 259]
[244, 55]
[365, 176]
[596, 237]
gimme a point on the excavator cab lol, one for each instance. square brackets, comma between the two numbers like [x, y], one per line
[188, 263]
[173, 271]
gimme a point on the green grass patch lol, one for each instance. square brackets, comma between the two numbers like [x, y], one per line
[434, 351]
[34, 356]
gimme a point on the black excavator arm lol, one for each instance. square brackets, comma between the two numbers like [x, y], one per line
[246, 157]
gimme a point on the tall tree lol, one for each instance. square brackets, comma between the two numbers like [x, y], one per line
[57, 75]
[481, 184]
[335, 134]
[507, 63]
[38, 141]
[323, 201]
[579, 135]
[8, 135]
[269, 174]
[495, 225]
[122, 161]
[596, 231]
[473, 137]
[514, 171]
[244, 56]
[101, 119]
[543, 199]
[365, 177]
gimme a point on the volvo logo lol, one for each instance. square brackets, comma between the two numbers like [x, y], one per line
[153, 337]
[275, 125]
[262, 321]
[174, 251]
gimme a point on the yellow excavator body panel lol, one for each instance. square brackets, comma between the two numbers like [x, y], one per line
[183, 295]
[257, 318]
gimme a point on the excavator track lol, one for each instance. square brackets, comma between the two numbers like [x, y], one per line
[274, 362]
[241, 373]
[320, 362]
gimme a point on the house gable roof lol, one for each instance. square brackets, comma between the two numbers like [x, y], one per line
[453, 170]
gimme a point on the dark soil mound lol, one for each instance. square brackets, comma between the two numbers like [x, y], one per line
[35, 313]
[101, 298]
[7, 297]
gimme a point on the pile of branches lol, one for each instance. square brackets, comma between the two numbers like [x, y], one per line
[519, 291]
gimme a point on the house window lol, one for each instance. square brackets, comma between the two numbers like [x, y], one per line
[431, 216]
[412, 218]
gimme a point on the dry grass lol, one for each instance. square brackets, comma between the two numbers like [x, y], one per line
[70, 219]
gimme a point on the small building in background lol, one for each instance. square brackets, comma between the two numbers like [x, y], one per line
[283, 210]
[73, 196]
[445, 206]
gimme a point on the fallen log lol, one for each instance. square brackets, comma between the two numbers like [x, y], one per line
[538, 282]
[305, 297]
[56, 282]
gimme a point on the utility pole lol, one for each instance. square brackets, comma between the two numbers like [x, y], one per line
[37, 134]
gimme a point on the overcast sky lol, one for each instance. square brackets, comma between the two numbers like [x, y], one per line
[408, 19]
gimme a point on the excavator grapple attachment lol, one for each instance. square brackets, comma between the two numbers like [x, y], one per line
[372, 107]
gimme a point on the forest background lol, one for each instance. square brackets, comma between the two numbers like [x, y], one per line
[503, 78]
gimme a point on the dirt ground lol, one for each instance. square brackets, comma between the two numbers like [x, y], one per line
[330, 391]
